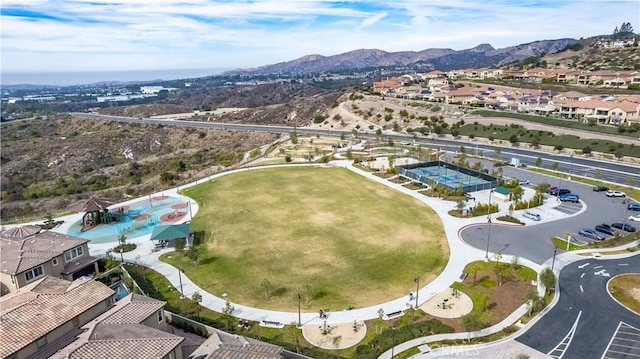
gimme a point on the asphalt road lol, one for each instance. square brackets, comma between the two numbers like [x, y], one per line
[533, 241]
[610, 171]
[586, 321]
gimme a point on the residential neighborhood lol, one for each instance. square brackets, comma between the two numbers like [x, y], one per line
[438, 86]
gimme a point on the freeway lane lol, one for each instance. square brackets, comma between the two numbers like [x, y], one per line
[585, 319]
[610, 171]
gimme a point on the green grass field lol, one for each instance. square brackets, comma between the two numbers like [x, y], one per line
[334, 237]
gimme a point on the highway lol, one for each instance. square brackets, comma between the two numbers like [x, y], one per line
[586, 322]
[609, 171]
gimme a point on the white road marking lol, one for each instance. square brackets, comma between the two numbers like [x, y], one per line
[623, 264]
[582, 276]
[602, 272]
[596, 267]
[613, 337]
[569, 335]
[582, 290]
[583, 265]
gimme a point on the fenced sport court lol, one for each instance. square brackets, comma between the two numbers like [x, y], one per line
[439, 173]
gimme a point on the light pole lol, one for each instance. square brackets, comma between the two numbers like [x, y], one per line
[299, 316]
[180, 278]
[570, 165]
[121, 257]
[417, 280]
[486, 253]
[553, 263]
[393, 341]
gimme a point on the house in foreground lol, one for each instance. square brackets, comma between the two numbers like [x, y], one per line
[55, 318]
[29, 253]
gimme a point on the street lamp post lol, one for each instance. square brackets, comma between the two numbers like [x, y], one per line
[417, 280]
[180, 278]
[553, 263]
[486, 253]
[393, 341]
[299, 316]
[121, 256]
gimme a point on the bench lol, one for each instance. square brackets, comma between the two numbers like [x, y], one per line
[394, 314]
[271, 324]
[463, 276]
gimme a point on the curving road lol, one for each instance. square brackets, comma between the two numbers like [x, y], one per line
[610, 171]
[587, 322]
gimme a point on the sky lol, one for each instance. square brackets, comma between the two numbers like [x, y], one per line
[129, 35]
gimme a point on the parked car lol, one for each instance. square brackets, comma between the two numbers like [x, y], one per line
[590, 233]
[533, 216]
[635, 218]
[570, 197]
[623, 226]
[552, 188]
[559, 192]
[633, 207]
[606, 229]
[600, 189]
[523, 182]
[611, 193]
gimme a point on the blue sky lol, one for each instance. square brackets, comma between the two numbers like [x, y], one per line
[115, 35]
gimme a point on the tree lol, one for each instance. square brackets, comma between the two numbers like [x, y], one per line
[336, 341]
[471, 323]
[554, 166]
[180, 244]
[349, 154]
[227, 311]
[534, 301]
[110, 261]
[548, 279]
[294, 137]
[294, 334]
[460, 204]
[342, 137]
[122, 239]
[193, 253]
[287, 158]
[196, 299]
[498, 269]
[517, 194]
[474, 271]
[586, 150]
[538, 162]
[266, 285]
[542, 187]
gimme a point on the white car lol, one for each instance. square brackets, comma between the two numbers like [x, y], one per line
[635, 218]
[615, 194]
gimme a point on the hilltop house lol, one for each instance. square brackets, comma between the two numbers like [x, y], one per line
[28, 254]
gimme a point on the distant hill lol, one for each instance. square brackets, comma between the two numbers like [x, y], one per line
[483, 55]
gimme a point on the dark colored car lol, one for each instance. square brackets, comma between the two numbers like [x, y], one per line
[623, 226]
[606, 229]
[559, 192]
[590, 233]
[633, 207]
[600, 189]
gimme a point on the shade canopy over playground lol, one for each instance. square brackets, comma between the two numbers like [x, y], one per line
[170, 232]
[93, 204]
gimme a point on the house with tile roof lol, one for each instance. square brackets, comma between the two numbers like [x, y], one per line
[47, 314]
[29, 254]
[135, 327]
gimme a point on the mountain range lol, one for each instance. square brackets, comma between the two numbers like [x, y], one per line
[483, 55]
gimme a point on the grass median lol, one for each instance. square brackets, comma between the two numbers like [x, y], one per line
[336, 238]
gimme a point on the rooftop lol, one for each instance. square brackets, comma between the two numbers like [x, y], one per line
[42, 306]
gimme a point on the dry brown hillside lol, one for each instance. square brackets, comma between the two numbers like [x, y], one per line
[48, 163]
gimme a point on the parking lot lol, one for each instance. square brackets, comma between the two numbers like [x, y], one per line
[625, 343]
[599, 208]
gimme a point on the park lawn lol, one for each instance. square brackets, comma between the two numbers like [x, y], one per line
[329, 234]
[626, 289]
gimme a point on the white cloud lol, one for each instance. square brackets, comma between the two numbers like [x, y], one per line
[157, 34]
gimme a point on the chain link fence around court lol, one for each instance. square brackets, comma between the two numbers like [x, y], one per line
[450, 176]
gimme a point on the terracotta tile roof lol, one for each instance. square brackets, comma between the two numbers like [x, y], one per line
[21, 254]
[43, 306]
[590, 104]
[135, 341]
[626, 106]
[572, 94]
[221, 345]
[132, 309]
